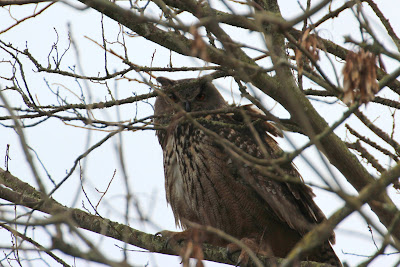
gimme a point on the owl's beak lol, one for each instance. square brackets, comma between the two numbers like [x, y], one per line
[188, 108]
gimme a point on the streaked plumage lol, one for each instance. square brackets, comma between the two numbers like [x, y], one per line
[207, 183]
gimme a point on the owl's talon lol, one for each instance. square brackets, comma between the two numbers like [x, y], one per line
[165, 233]
[243, 258]
[170, 236]
[158, 234]
[192, 248]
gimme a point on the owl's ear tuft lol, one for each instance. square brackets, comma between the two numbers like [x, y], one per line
[165, 81]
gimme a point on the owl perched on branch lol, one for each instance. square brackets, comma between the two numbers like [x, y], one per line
[213, 176]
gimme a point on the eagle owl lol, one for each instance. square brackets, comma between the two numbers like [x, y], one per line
[208, 183]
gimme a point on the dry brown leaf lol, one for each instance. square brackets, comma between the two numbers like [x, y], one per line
[359, 77]
[310, 43]
[199, 47]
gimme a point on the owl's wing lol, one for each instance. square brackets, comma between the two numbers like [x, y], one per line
[291, 203]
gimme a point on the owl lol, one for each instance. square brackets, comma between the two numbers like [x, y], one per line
[211, 175]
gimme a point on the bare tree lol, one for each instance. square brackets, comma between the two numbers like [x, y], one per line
[341, 100]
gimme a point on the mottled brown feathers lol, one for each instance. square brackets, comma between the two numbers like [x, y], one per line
[207, 181]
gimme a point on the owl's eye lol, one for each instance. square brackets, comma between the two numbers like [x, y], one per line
[201, 96]
[173, 98]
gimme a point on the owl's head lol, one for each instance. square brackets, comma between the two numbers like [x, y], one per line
[188, 94]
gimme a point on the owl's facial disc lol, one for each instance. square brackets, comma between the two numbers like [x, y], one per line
[181, 100]
[190, 95]
[191, 102]
[190, 99]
